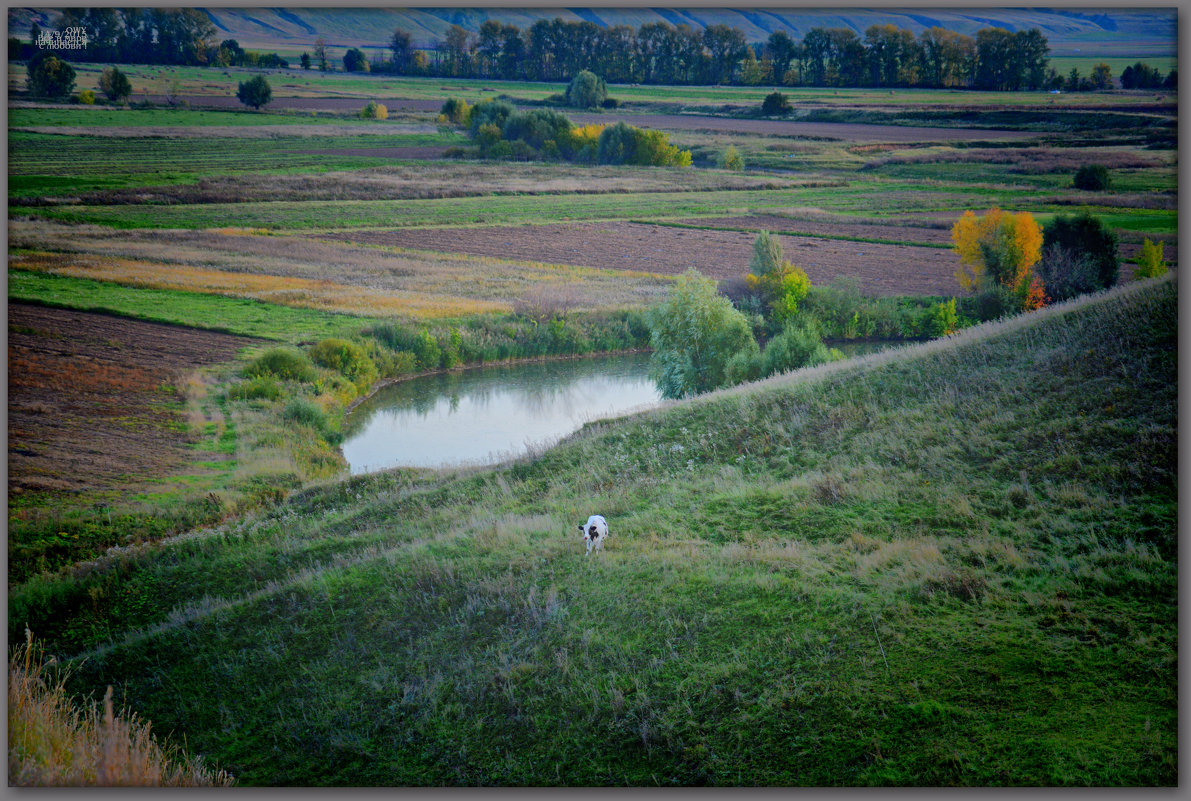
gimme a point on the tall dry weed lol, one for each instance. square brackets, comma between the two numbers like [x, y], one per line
[52, 742]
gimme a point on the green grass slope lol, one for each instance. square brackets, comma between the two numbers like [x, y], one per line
[951, 564]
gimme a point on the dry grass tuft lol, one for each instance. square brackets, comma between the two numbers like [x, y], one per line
[53, 743]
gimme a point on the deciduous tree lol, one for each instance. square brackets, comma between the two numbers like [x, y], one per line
[694, 333]
[1000, 248]
[255, 92]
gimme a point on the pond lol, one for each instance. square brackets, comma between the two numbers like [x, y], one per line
[488, 414]
[485, 415]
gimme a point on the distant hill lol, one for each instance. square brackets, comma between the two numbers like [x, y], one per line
[1125, 32]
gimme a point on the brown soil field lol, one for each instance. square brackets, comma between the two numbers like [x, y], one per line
[88, 395]
[880, 269]
[777, 224]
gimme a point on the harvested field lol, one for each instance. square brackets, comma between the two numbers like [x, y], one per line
[418, 181]
[231, 131]
[847, 132]
[872, 230]
[88, 395]
[393, 104]
[880, 269]
[293, 271]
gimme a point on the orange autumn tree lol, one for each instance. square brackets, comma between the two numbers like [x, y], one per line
[1000, 248]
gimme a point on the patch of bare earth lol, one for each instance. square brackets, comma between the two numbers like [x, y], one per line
[880, 269]
[89, 397]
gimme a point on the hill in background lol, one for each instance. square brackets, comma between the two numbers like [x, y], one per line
[1125, 32]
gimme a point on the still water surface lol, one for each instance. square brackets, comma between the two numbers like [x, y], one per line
[484, 415]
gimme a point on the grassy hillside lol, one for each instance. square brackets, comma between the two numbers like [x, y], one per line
[950, 564]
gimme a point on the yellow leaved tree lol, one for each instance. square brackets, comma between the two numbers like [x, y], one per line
[1000, 248]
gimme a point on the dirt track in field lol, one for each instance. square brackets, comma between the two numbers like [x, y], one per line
[880, 269]
[87, 397]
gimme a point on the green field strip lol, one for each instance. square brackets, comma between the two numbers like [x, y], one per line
[229, 315]
[509, 209]
[179, 118]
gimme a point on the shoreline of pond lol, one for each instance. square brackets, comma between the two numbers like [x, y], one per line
[554, 357]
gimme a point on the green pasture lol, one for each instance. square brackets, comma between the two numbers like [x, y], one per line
[859, 197]
[150, 79]
[1116, 64]
[952, 564]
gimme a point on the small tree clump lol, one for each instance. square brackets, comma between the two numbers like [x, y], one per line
[1066, 273]
[354, 60]
[115, 85]
[87, 97]
[797, 346]
[694, 332]
[488, 112]
[775, 103]
[455, 111]
[626, 144]
[374, 111]
[731, 159]
[1092, 178]
[255, 92]
[780, 285]
[347, 358]
[1000, 248]
[1150, 263]
[1088, 237]
[49, 76]
[586, 90]
[283, 363]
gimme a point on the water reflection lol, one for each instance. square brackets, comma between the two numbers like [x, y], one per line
[483, 415]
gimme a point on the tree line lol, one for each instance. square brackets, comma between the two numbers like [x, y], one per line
[661, 53]
[654, 53]
[182, 36]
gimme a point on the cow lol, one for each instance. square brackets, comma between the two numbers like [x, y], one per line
[595, 531]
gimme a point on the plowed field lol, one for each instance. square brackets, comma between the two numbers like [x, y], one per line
[880, 269]
[89, 397]
[776, 224]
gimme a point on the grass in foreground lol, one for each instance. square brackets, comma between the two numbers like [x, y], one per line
[52, 741]
[952, 564]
